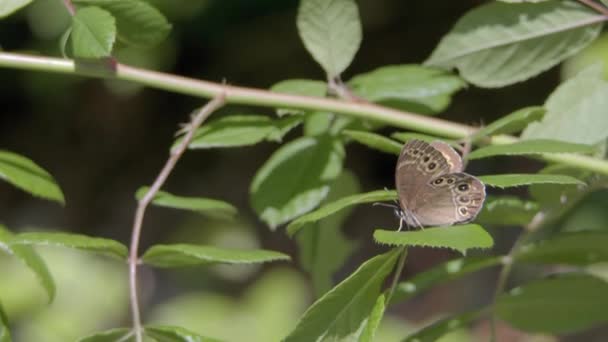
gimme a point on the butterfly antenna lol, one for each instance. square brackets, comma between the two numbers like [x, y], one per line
[385, 205]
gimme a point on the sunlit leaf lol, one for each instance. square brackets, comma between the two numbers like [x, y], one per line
[8, 7]
[26, 175]
[520, 179]
[507, 211]
[77, 241]
[179, 255]
[434, 331]
[560, 304]
[323, 248]
[138, 22]
[31, 259]
[331, 32]
[112, 335]
[497, 44]
[375, 141]
[93, 33]
[333, 207]
[416, 88]
[582, 248]
[341, 311]
[207, 206]
[576, 110]
[441, 274]
[296, 178]
[530, 147]
[175, 334]
[460, 238]
[511, 123]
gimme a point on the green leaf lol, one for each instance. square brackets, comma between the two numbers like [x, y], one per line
[498, 44]
[331, 32]
[441, 274]
[373, 321]
[296, 178]
[530, 147]
[581, 248]
[416, 88]
[241, 130]
[112, 335]
[8, 7]
[206, 206]
[552, 196]
[405, 136]
[138, 22]
[299, 87]
[520, 179]
[576, 110]
[434, 331]
[179, 255]
[26, 175]
[511, 123]
[333, 207]
[322, 246]
[5, 334]
[77, 241]
[31, 259]
[460, 238]
[342, 310]
[507, 211]
[317, 123]
[557, 305]
[375, 141]
[175, 334]
[93, 33]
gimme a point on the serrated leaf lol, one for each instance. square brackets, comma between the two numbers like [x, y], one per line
[576, 110]
[333, 207]
[302, 87]
[241, 130]
[405, 136]
[530, 147]
[507, 211]
[178, 255]
[341, 311]
[76, 241]
[206, 206]
[521, 179]
[93, 33]
[459, 238]
[8, 7]
[296, 178]
[375, 141]
[175, 334]
[440, 274]
[552, 196]
[498, 44]
[322, 246]
[5, 334]
[511, 123]
[414, 87]
[373, 321]
[331, 32]
[434, 331]
[112, 335]
[26, 175]
[138, 22]
[31, 259]
[581, 248]
[557, 305]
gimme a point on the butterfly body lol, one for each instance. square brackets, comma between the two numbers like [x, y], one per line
[432, 189]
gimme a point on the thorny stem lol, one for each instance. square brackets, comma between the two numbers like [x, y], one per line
[592, 4]
[398, 271]
[176, 153]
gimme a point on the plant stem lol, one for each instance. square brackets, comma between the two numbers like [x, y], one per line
[398, 271]
[70, 7]
[259, 97]
[597, 7]
[143, 203]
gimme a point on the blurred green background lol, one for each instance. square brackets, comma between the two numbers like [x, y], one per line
[102, 140]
